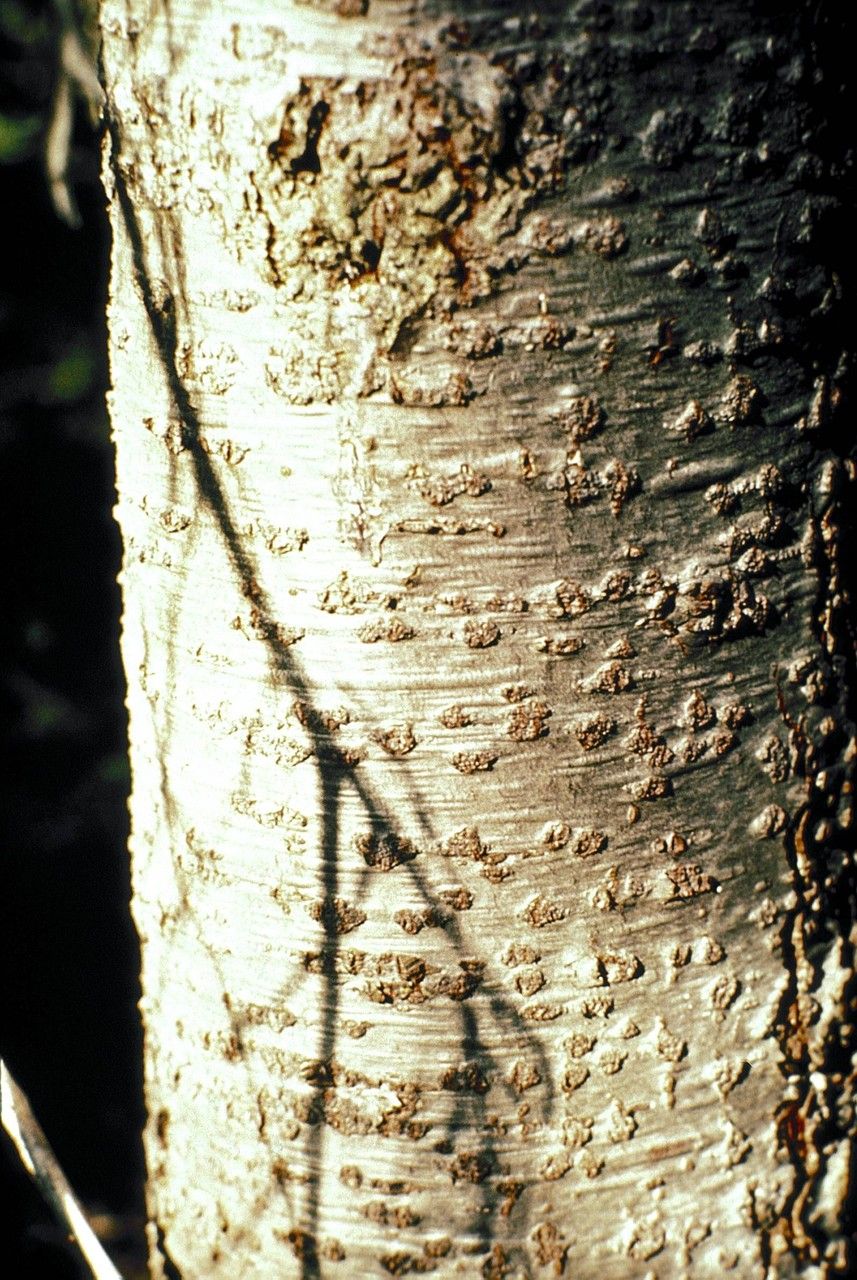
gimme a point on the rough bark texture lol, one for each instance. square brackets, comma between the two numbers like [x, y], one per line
[474, 396]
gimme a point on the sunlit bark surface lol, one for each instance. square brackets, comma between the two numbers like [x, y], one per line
[474, 394]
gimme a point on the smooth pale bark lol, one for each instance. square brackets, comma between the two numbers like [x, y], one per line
[482, 628]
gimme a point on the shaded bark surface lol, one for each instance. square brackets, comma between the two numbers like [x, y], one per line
[476, 382]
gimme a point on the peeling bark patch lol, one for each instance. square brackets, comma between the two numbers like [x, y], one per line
[459, 899]
[646, 1241]
[593, 731]
[396, 740]
[575, 1075]
[455, 717]
[494, 1267]
[579, 1044]
[725, 609]
[480, 635]
[698, 713]
[653, 788]
[523, 1077]
[549, 1250]
[452, 526]
[542, 911]
[351, 1176]
[624, 484]
[415, 921]
[394, 631]
[587, 844]
[555, 835]
[474, 761]
[542, 1012]
[337, 916]
[773, 757]
[612, 678]
[471, 1166]
[619, 966]
[384, 851]
[571, 599]
[772, 821]
[605, 237]
[483, 343]
[467, 843]
[689, 881]
[582, 419]
[529, 981]
[281, 541]
[520, 953]
[622, 1125]
[348, 595]
[401, 1263]
[692, 422]
[301, 1243]
[516, 693]
[527, 721]
[669, 137]
[742, 402]
[423, 206]
[466, 1078]
[384, 1215]
[724, 992]
[560, 646]
[596, 1006]
[441, 490]
[406, 978]
[669, 1046]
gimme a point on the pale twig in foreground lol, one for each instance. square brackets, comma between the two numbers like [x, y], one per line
[76, 74]
[42, 1165]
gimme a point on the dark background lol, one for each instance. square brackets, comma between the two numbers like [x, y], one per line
[69, 1026]
[69, 1030]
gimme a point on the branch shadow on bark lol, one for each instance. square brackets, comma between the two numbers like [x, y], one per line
[476, 1006]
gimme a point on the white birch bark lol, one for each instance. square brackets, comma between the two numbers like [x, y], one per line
[481, 691]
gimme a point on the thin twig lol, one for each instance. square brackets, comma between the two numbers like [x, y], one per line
[76, 75]
[43, 1167]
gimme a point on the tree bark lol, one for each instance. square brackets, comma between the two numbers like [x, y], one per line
[475, 393]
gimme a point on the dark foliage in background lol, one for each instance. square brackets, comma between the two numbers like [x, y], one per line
[69, 1025]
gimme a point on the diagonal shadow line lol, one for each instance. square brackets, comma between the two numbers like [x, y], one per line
[163, 325]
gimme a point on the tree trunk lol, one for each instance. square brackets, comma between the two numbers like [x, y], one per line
[475, 385]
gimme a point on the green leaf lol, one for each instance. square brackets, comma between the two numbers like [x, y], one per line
[17, 136]
[71, 377]
[114, 769]
[22, 26]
